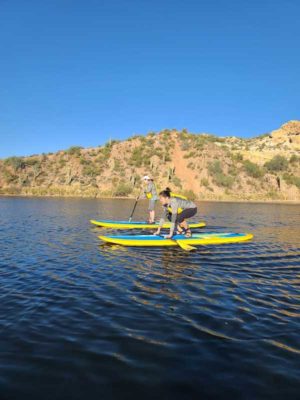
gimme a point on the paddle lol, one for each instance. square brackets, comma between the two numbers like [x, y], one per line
[185, 246]
[135, 204]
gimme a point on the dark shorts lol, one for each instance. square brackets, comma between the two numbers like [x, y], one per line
[187, 213]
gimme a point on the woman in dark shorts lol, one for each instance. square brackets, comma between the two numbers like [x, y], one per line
[177, 210]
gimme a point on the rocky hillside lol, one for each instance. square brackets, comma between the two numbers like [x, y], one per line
[203, 166]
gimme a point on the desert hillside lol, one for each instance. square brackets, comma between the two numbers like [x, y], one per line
[201, 165]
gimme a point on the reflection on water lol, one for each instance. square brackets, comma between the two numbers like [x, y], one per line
[101, 321]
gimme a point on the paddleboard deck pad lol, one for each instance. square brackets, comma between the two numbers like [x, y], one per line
[196, 239]
[137, 224]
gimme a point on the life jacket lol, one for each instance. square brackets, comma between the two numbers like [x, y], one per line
[179, 210]
[179, 196]
[149, 195]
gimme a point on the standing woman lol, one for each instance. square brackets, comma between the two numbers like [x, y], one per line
[177, 210]
[151, 194]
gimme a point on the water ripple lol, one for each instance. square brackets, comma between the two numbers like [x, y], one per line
[217, 322]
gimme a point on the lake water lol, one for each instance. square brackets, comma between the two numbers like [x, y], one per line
[80, 320]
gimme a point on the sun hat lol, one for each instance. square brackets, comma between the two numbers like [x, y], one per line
[146, 178]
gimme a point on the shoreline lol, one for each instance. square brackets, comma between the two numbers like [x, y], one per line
[267, 201]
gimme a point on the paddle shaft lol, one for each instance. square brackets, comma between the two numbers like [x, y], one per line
[135, 204]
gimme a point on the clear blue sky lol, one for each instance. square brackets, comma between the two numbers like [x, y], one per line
[77, 72]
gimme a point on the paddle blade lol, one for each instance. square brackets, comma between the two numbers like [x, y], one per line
[185, 246]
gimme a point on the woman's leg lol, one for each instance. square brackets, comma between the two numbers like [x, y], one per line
[181, 219]
[151, 216]
[151, 210]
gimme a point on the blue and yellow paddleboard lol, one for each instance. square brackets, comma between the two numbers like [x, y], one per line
[196, 239]
[136, 224]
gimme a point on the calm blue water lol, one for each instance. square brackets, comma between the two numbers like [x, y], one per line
[84, 321]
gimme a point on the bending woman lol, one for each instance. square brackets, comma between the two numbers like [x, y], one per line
[176, 210]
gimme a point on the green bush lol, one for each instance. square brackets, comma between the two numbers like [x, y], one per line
[90, 170]
[123, 189]
[213, 139]
[292, 180]
[272, 195]
[185, 146]
[191, 154]
[15, 162]
[237, 157]
[294, 159]
[9, 177]
[32, 161]
[74, 150]
[177, 182]
[190, 194]
[204, 182]
[191, 165]
[117, 166]
[215, 167]
[84, 161]
[278, 163]
[221, 179]
[253, 169]
[137, 157]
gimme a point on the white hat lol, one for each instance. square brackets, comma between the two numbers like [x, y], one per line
[146, 178]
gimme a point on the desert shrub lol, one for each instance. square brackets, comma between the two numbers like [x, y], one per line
[294, 159]
[149, 141]
[9, 177]
[190, 194]
[213, 139]
[117, 166]
[190, 154]
[221, 179]
[84, 161]
[106, 149]
[62, 162]
[90, 170]
[272, 195]
[15, 162]
[185, 146]
[30, 162]
[74, 150]
[232, 170]
[177, 182]
[253, 169]
[137, 157]
[204, 182]
[123, 189]
[113, 142]
[191, 165]
[292, 180]
[237, 157]
[215, 167]
[278, 163]
[11, 190]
